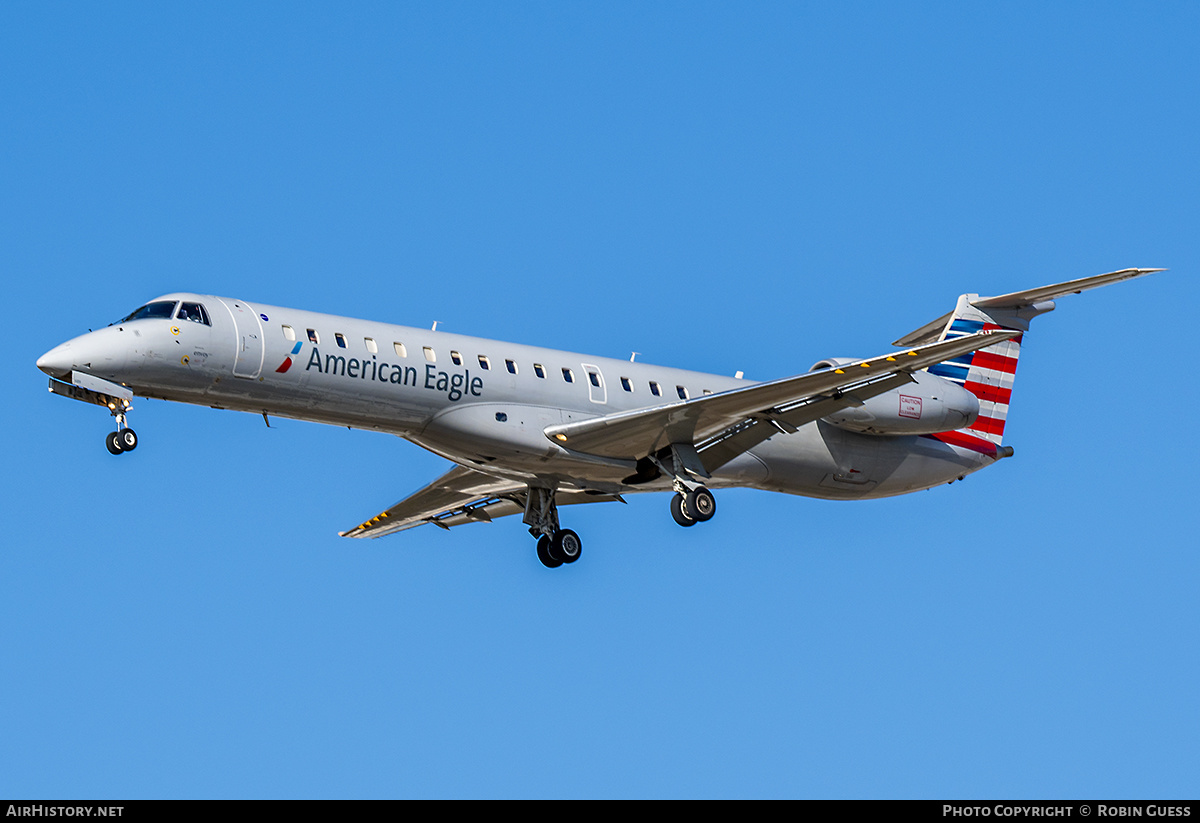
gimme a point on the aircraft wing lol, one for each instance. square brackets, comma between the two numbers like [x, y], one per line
[783, 404]
[461, 496]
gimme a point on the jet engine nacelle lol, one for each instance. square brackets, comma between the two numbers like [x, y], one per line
[927, 406]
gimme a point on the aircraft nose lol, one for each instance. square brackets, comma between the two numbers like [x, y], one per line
[57, 362]
[100, 353]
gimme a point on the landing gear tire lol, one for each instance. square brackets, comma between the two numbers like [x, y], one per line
[113, 441]
[700, 505]
[566, 546]
[543, 553]
[128, 439]
[678, 512]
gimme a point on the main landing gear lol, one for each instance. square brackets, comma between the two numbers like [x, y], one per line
[124, 439]
[564, 547]
[694, 506]
[555, 545]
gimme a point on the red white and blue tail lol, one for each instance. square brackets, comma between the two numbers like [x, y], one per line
[989, 373]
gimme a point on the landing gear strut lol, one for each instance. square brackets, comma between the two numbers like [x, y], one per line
[124, 439]
[555, 545]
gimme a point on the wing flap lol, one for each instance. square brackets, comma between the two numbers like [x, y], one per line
[641, 432]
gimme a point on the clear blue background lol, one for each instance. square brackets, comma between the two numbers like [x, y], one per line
[716, 186]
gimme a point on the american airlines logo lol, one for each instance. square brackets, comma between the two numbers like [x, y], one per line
[455, 385]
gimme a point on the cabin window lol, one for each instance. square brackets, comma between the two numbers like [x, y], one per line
[456, 358]
[430, 354]
[568, 376]
[289, 333]
[193, 312]
[340, 338]
[626, 384]
[511, 366]
[594, 378]
[539, 370]
[484, 363]
[682, 392]
[313, 337]
[400, 350]
[369, 342]
[655, 389]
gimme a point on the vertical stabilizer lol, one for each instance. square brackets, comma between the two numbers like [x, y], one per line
[987, 373]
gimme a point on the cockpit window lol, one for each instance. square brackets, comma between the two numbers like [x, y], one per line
[193, 312]
[161, 310]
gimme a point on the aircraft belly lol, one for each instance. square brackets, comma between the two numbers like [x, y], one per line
[823, 461]
[745, 469]
[495, 431]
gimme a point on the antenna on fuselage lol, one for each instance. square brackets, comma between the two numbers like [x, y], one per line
[435, 322]
[633, 354]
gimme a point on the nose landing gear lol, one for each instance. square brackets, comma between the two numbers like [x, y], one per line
[124, 439]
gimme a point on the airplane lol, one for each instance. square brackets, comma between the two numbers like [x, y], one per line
[531, 429]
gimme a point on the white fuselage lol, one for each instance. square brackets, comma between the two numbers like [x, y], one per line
[481, 403]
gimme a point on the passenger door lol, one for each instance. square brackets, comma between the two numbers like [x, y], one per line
[597, 391]
[248, 362]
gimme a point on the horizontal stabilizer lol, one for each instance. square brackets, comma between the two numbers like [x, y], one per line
[1017, 300]
[1021, 299]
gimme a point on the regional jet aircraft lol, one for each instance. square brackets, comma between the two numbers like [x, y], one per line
[531, 429]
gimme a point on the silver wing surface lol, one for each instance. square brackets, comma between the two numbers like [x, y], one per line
[461, 496]
[728, 423]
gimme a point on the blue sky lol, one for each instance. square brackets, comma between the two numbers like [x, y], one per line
[718, 187]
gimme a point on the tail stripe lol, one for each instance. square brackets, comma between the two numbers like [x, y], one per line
[965, 441]
[996, 362]
[988, 374]
[991, 394]
[988, 425]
